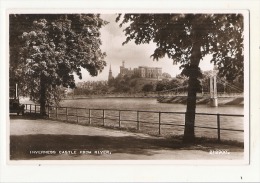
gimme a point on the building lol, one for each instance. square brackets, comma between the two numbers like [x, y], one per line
[150, 72]
[142, 72]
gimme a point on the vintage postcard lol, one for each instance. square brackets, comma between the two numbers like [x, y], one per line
[116, 87]
[128, 86]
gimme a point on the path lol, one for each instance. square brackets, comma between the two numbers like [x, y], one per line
[40, 139]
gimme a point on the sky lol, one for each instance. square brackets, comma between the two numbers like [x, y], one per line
[112, 37]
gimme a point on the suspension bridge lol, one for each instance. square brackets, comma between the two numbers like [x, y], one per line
[211, 92]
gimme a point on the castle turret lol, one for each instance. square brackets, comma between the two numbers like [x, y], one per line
[110, 76]
[123, 69]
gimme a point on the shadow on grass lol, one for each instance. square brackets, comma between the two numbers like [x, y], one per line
[20, 146]
[31, 116]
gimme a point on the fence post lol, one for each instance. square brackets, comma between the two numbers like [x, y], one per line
[103, 117]
[138, 122]
[119, 118]
[66, 114]
[30, 108]
[35, 109]
[85, 117]
[218, 123]
[89, 116]
[159, 123]
[77, 115]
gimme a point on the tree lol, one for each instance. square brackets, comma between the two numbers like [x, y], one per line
[147, 87]
[46, 50]
[162, 85]
[186, 39]
[166, 76]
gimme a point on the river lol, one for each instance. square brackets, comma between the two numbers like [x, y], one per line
[147, 104]
[151, 104]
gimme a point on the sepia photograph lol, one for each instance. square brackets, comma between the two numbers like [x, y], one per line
[128, 86]
[129, 91]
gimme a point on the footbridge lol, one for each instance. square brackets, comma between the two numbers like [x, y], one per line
[211, 91]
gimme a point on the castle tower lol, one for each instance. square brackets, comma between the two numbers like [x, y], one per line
[122, 69]
[110, 76]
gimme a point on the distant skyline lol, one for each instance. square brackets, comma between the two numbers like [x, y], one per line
[112, 37]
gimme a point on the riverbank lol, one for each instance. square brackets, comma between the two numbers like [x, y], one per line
[106, 97]
[123, 95]
[202, 100]
[229, 100]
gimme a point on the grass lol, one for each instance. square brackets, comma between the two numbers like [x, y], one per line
[212, 141]
[144, 130]
[21, 145]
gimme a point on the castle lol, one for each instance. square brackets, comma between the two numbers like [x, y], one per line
[141, 71]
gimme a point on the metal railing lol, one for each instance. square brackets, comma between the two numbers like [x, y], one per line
[100, 117]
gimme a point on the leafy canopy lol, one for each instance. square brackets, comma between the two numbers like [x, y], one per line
[220, 35]
[51, 48]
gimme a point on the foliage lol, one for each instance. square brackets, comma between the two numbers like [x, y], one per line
[131, 84]
[46, 50]
[186, 39]
[166, 75]
[121, 84]
[172, 84]
[92, 88]
[218, 34]
[147, 88]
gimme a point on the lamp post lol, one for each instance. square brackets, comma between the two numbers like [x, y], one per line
[213, 88]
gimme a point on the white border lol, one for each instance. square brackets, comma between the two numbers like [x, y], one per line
[184, 162]
[142, 172]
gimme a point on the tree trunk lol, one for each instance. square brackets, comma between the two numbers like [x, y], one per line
[189, 135]
[42, 95]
